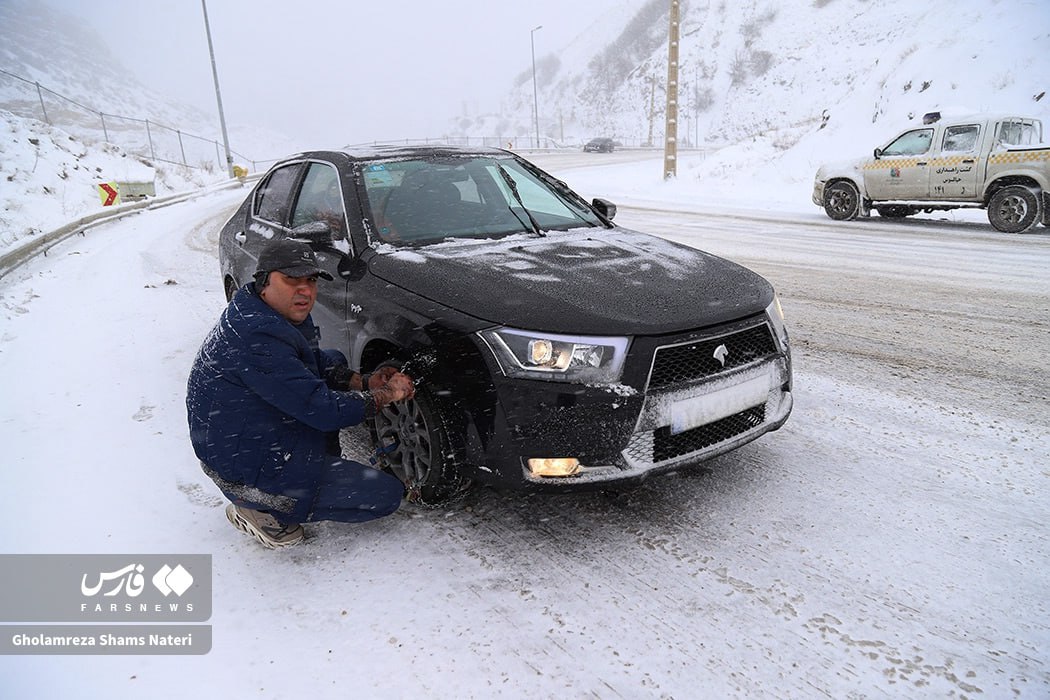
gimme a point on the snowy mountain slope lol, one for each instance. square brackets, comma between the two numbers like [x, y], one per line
[50, 172]
[45, 46]
[757, 69]
[39, 44]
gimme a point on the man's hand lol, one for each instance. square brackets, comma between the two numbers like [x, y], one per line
[395, 387]
[402, 385]
[380, 377]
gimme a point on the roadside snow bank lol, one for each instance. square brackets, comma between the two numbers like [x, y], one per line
[51, 177]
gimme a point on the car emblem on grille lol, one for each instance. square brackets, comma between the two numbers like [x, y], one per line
[721, 352]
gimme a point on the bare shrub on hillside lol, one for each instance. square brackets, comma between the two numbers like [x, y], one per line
[751, 31]
[738, 68]
[760, 62]
[704, 99]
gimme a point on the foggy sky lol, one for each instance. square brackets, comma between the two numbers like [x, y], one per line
[332, 72]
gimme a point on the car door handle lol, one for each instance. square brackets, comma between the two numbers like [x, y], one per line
[968, 160]
[241, 238]
[922, 163]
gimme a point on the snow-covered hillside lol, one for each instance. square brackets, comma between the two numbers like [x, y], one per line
[80, 78]
[756, 70]
[53, 147]
[51, 177]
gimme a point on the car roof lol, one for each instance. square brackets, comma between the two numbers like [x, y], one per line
[394, 151]
[980, 117]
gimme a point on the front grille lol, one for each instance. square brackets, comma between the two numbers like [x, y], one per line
[667, 446]
[675, 364]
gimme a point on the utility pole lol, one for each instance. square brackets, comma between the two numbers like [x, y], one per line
[218, 95]
[535, 95]
[671, 129]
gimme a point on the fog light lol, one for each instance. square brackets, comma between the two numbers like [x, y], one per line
[559, 466]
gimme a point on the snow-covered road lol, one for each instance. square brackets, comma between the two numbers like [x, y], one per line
[890, 541]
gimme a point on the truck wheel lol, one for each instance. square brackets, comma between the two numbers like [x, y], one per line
[1014, 209]
[842, 200]
[415, 444]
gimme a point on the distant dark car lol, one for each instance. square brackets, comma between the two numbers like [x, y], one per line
[602, 145]
[552, 349]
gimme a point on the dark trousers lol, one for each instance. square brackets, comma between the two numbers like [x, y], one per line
[344, 491]
[350, 492]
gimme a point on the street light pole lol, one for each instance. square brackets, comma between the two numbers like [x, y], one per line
[218, 95]
[535, 95]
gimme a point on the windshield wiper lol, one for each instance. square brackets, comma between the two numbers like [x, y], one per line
[514, 191]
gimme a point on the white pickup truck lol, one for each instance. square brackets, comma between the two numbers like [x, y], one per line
[995, 162]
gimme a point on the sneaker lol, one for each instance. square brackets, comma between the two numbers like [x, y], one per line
[264, 527]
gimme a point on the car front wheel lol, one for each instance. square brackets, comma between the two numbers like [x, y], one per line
[415, 444]
[1014, 209]
[842, 200]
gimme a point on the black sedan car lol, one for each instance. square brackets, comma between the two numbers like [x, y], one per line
[552, 348]
[600, 145]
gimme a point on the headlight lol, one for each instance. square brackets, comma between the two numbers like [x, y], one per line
[776, 317]
[566, 358]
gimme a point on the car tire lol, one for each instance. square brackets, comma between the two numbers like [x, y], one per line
[894, 211]
[842, 200]
[413, 442]
[1014, 209]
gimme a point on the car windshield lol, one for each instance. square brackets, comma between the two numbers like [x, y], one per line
[427, 200]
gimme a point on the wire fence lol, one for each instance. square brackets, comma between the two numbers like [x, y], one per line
[159, 142]
[142, 137]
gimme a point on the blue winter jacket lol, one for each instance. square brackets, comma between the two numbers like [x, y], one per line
[260, 401]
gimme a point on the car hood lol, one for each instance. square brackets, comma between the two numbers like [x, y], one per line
[589, 281]
[850, 165]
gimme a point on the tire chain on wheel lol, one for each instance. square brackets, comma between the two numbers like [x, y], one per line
[419, 367]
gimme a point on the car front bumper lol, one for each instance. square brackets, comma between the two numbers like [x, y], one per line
[818, 192]
[621, 434]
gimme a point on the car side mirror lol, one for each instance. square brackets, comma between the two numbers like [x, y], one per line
[313, 232]
[352, 269]
[878, 153]
[604, 207]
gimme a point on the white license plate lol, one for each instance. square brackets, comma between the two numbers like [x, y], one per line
[701, 410]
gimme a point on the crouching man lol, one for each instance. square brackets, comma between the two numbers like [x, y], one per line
[264, 400]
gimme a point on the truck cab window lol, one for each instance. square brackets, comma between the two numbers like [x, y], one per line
[912, 143]
[960, 139]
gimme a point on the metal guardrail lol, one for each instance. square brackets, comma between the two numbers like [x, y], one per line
[22, 254]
